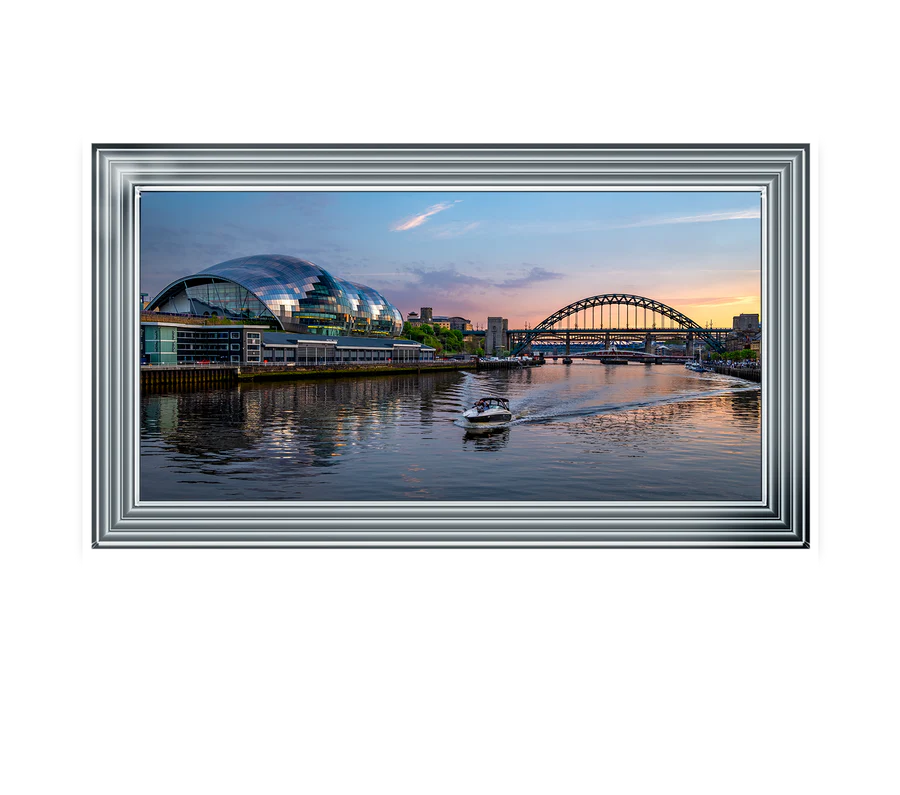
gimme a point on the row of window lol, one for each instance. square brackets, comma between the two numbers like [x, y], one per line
[214, 346]
[198, 352]
[207, 359]
[290, 355]
[209, 335]
[327, 354]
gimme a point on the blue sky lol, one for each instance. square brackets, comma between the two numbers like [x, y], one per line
[517, 254]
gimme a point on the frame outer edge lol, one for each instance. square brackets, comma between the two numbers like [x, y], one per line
[110, 374]
[810, 264]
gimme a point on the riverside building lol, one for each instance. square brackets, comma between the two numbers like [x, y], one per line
[455, 323]
[184, 343]
[302, 349]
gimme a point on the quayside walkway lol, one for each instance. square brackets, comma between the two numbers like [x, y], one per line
[190, 375]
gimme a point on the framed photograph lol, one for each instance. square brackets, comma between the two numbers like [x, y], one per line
[450, 346]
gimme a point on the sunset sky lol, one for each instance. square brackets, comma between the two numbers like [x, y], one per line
[522, 255]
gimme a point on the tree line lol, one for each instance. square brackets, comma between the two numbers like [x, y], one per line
[735, 356]
[443, 340]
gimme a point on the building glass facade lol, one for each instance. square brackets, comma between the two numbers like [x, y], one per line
[159, 344]
[293, 293]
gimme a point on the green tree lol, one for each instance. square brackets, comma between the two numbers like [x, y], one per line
[451, 339]
[412, 332]
[432, 342]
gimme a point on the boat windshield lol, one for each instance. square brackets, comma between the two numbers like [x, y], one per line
[492, 402]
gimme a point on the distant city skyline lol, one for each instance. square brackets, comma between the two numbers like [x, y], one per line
[522, 255]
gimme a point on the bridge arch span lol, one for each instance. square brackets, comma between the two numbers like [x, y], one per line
[619, 299]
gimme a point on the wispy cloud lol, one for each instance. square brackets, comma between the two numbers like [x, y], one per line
[450, 281]
[530, 278]
[447, 279]
[455, 229]
[417, 220]
[703, 218]
[574, 226]
[710, 301]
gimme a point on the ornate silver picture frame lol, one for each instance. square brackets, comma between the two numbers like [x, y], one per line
[780, 519]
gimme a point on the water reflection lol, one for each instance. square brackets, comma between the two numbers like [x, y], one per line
[584, 432]
[322, 414]
[201, 421]
[481, 441]
[738, 411]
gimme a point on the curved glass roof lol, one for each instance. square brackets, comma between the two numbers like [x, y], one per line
[289, 288]
[373, 304]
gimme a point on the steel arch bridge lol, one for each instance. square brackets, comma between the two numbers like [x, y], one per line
[550, 327]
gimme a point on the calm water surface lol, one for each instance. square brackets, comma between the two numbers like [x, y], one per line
[587, 431]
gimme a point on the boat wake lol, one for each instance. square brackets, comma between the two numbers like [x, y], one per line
[533, 409]
[544, 403]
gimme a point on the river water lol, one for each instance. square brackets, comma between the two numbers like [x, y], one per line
[586, 431]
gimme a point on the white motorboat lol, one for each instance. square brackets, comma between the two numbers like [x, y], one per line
[488, 412]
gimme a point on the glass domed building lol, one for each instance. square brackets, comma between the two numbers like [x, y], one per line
[294, 293]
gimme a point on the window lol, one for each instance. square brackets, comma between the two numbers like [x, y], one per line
[235, 335]
[235, 346]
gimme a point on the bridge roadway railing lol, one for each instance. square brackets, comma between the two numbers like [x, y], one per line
[624, 330]
[521, 338]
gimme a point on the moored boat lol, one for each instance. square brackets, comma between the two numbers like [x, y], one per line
[697, 367]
